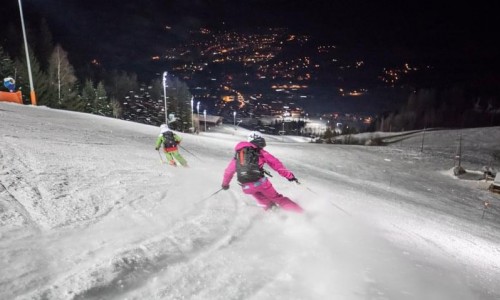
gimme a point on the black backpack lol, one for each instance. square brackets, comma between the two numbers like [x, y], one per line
[169, 140]
[247, 165]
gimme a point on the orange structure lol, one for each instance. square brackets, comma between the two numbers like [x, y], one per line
[16, 97]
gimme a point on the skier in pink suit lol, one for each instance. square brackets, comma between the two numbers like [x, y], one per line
[261, 189]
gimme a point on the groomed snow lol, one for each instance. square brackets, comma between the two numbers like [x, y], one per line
[88, 211]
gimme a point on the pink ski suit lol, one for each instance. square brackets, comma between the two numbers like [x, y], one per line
[262, 189]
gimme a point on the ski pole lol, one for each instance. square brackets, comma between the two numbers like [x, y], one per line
[161, 158]
[308, 188]
[331, 202]
[267, 173]
[486, 204]
[206, 198]
[213, 194]
[189, 152]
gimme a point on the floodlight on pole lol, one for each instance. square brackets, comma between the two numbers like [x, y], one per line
[205, 117]
[32, 89]
[192, 113]
[198, 111]
[234, 117]
[165, 95]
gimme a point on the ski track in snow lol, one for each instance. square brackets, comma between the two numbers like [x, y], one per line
[85, 222]
[452, 242]
[194, 237]
[110, 276]
[114, 274]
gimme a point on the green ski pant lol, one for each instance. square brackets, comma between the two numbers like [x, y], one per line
[175, 154]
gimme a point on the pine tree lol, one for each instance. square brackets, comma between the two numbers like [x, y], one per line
[102, 105]
[328, 135]
[88, 97]
[179, 103]
[44, 95]
[118, 86]
[11, 40]
[95, 100]
[157, 102]
[6, 65]
[156, 90]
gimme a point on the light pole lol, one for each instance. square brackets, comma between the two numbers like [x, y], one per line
[32, 92]
[205, 117]
[192, 113]
[198, 111]
[283, 136]
[234, 117]
[165, 95]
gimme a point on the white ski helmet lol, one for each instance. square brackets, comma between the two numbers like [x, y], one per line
[254, 135]
[163, 128]
[257, 139]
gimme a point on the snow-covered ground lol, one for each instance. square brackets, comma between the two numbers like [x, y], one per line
[88, 211]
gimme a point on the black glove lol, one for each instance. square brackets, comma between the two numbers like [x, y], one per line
[293, 179]
[225, 187]
[157, 148]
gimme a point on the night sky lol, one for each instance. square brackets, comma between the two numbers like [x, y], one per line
[124, 30]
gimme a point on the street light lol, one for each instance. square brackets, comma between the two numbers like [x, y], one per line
[165, 95]
[198, 110]
[192, 113]
[283, 135]
[205, 117]
[32, 91]
[234, 117]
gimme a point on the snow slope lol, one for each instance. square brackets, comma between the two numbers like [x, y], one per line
[88, 211]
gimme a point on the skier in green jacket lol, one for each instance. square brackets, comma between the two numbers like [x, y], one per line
[170, 140]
